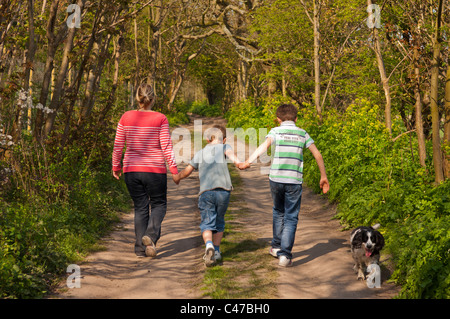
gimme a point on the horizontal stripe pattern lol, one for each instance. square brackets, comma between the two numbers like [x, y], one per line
[148, 143]
[287, 163]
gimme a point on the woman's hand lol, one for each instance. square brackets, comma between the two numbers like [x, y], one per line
[176, 178]
[117, 174]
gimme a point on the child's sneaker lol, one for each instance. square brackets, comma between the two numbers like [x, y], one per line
[274, 251]
[284, 261]
[209, 256]
[217, 255]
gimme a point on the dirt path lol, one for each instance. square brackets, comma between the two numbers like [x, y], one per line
[322, 263]
[116, 272]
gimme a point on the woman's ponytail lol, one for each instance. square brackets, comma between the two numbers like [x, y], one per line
[145, 96]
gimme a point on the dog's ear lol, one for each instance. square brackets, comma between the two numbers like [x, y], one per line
[356, 237]
[380, 240]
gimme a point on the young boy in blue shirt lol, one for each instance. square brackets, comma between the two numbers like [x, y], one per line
[286, 178]
[215, 188]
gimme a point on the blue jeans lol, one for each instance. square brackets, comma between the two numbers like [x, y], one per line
[286, 207]
[149, 194]
[213, 205]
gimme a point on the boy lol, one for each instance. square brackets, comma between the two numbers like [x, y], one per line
[286, 178]
[215, 188]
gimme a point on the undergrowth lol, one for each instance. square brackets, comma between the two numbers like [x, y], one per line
[49, 223]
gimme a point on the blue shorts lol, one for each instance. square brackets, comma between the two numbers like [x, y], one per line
[213, 205]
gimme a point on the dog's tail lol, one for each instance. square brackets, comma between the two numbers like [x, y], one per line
[376, 226]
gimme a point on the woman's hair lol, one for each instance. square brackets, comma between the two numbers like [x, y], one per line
[146, 95]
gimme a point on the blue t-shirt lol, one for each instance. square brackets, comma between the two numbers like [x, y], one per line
[212, 167]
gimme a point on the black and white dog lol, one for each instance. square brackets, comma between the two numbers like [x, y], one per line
[366, 243]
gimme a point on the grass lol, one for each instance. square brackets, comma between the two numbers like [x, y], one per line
[246, 270]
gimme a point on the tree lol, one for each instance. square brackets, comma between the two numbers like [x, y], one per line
[381, 67]
[418, 105]
[434, 87]
[447, 122]
[315, 20]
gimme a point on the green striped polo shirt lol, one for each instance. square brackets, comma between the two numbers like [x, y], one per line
[287, 161]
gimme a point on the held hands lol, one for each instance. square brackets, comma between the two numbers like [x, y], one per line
[183, 174]
[243, 166]
[176, 178]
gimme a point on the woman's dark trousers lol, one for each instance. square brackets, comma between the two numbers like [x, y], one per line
[149, 194]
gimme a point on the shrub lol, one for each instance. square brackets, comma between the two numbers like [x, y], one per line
[177, 118]
[375, 179]
[205, 109]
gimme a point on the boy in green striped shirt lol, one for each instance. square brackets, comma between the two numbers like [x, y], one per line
[286, 178]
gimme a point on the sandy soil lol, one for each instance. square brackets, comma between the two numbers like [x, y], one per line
[322, 263]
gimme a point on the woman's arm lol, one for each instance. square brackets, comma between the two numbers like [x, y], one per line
[166, 146]
[119, 143]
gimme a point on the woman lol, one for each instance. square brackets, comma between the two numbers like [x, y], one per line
[148, 148]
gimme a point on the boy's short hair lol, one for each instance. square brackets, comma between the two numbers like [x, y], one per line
[216, 132]
[287, 112]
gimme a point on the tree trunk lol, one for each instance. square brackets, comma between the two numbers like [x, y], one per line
[242, 80]
[56, 100]
[384, 78]
[418, 106]
[118, 48]
[174, 91]
[435, 118]
[51, 51]
[31, 46]
[181, 73]
[156, 16]
[90, 83]
[93, 82]
[28, 65]
[317, 59]
[136, 79]
[447, 123]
